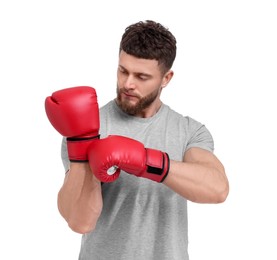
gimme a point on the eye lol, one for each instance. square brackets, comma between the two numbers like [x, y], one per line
[143, 77]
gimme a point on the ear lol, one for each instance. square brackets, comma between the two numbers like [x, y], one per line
[167, 77]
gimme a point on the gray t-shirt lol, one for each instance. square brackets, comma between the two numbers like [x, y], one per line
[142, 219]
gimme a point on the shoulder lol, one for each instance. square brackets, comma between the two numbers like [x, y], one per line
[106, 107]
[195, 132]
[108, 110]
[185, 120]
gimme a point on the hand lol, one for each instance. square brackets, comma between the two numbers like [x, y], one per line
[74, 113]
[110, 155]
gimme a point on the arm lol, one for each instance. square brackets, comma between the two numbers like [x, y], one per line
[74, 113]
[199, 178]
[80, 198]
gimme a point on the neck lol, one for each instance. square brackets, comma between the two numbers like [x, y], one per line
[151, 110]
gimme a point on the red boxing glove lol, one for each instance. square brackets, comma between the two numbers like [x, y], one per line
[74, 113]
[110, 155]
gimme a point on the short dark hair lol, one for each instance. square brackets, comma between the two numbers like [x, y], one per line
[150, 40]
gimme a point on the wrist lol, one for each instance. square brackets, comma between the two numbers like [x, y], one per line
[79, 167]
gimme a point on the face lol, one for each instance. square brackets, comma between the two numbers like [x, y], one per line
[139, 84]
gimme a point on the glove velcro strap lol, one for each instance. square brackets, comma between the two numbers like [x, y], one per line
[77, 148]
[157, 165]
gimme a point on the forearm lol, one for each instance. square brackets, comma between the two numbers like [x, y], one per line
[202, 183]
[80, 198]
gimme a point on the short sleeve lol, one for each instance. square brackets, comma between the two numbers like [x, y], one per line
[64, 154]
[200, 136]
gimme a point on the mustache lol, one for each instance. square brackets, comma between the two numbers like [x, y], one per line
[127, 92]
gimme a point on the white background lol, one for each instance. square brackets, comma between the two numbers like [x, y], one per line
[225, 77]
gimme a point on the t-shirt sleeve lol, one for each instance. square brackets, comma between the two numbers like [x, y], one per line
[200, 136]
[64, 155]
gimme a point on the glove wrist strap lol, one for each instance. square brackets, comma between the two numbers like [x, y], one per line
[77, 148]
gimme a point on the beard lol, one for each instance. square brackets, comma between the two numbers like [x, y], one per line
[141, 104]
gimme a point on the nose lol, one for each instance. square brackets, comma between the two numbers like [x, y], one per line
[129, 83]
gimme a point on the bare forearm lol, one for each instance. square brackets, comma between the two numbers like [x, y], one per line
[80, 198]
[198, 182]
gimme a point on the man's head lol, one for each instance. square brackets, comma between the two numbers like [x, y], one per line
[147, 52]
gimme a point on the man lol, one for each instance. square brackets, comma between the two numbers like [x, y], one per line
[130, 199]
